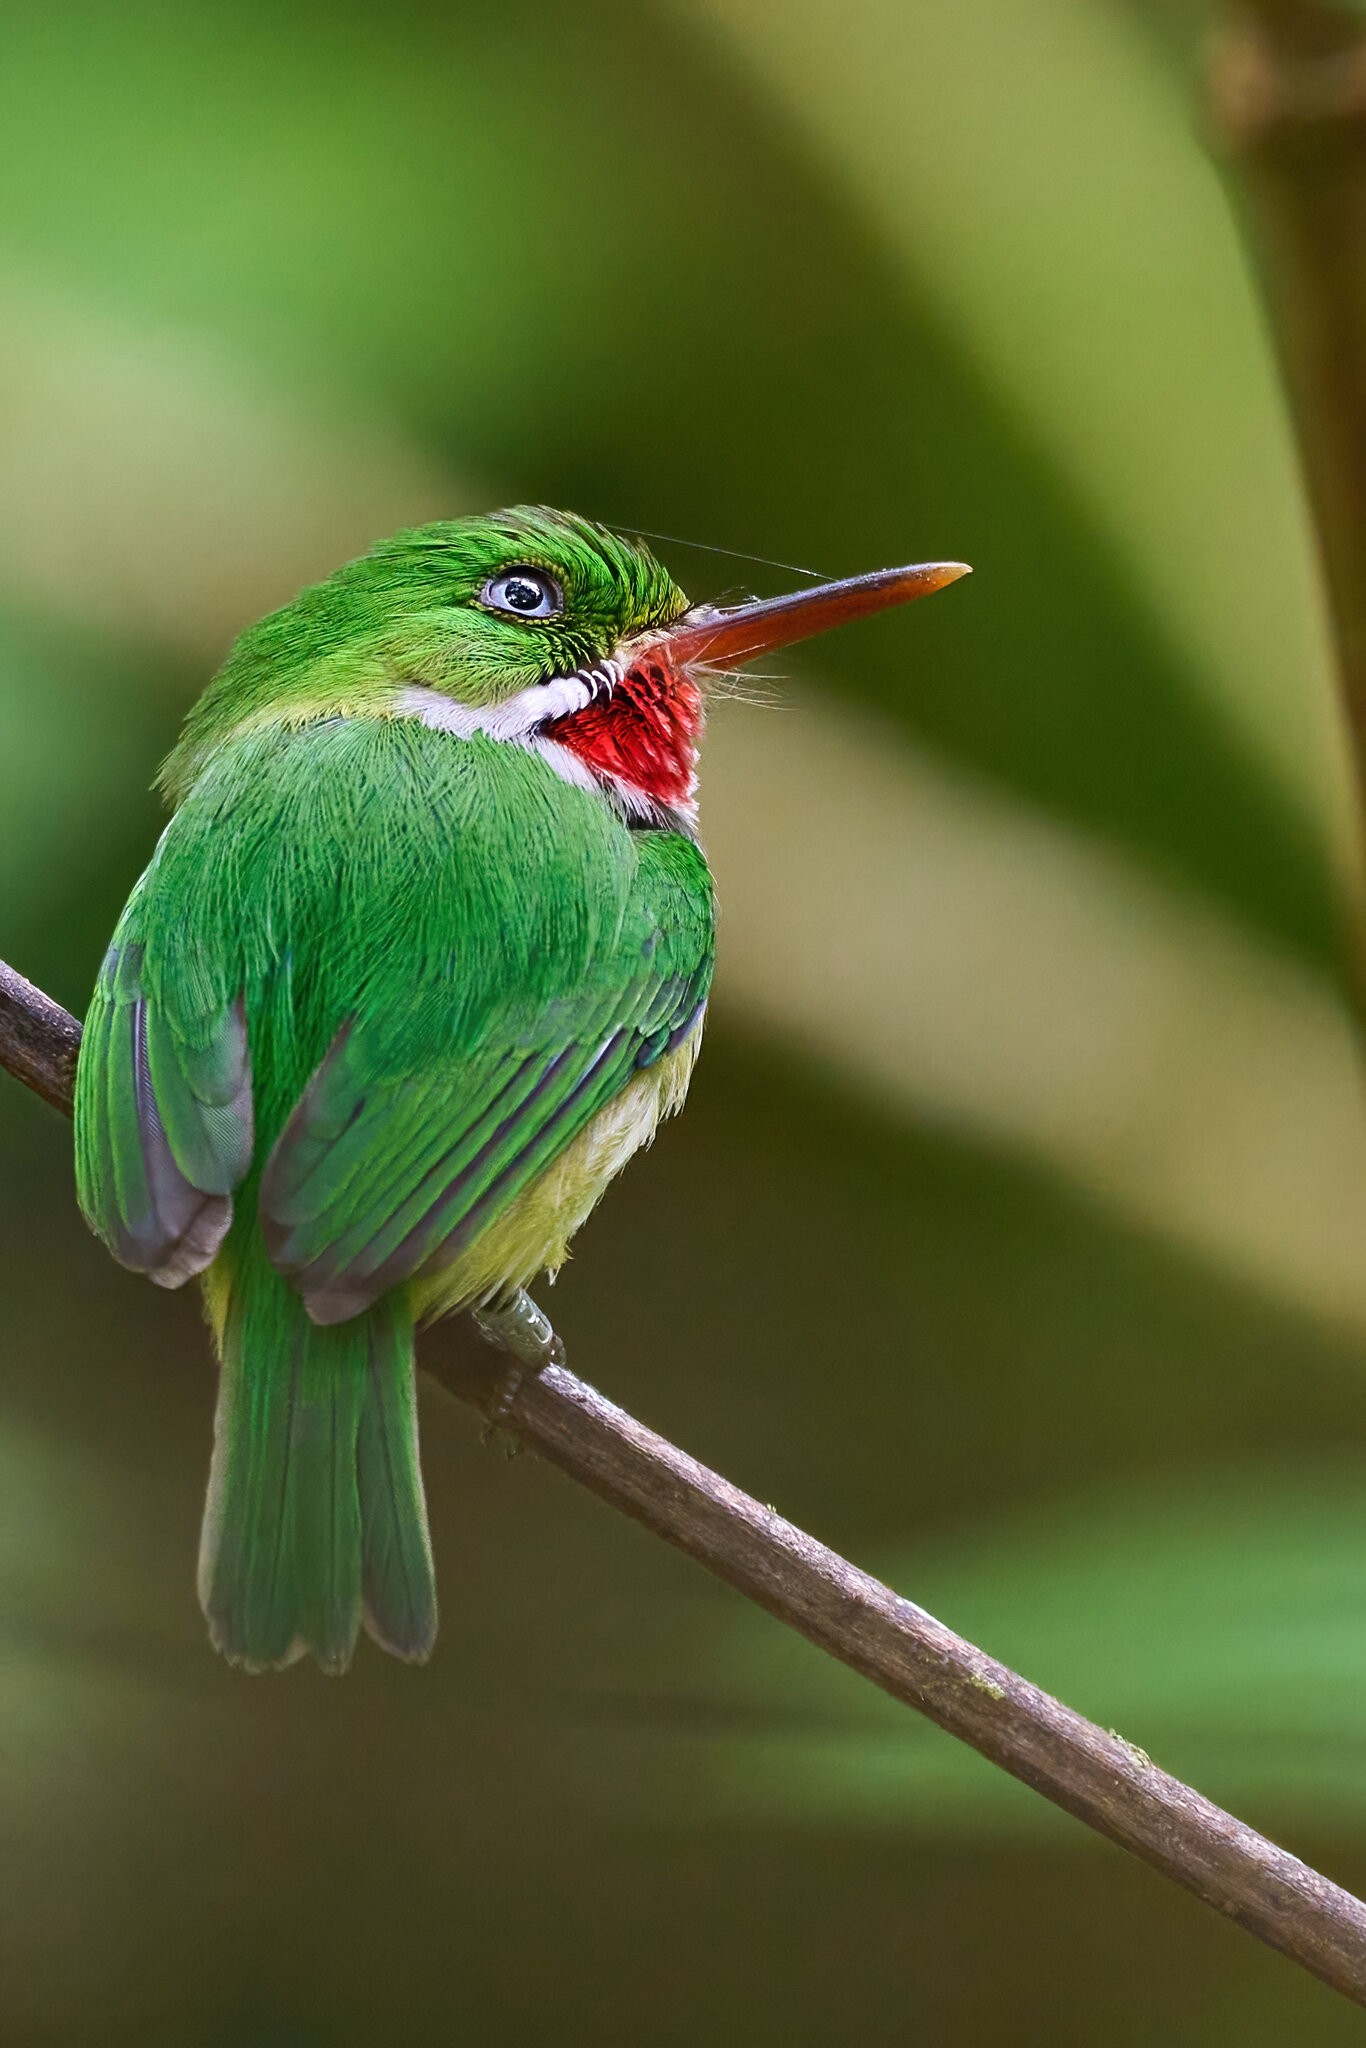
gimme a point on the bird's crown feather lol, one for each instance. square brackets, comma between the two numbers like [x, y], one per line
[441, 607]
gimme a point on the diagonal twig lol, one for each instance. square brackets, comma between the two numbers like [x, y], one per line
[39, 1040]
[1101, 1779]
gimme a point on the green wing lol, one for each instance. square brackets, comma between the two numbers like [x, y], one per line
[163, 1115]
[449, 960]
[383, 1172]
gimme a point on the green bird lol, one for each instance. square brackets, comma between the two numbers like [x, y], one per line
[420, 960]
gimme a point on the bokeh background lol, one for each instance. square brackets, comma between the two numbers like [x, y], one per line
[1014, 1240]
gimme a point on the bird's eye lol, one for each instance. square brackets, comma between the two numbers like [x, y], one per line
[526, 593]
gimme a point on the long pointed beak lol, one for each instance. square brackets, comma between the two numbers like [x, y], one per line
[747, 630]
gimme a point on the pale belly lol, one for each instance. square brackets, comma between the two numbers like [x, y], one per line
[532, 1235]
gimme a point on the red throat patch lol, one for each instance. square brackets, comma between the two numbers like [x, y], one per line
[644, 732]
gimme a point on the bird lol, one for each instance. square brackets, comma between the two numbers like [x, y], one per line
[420, 960]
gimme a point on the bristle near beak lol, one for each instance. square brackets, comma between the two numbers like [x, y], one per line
[739, 634]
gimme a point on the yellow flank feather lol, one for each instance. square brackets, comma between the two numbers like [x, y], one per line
[532, 1235]
[216, 1288]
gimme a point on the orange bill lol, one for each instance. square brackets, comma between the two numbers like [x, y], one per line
[741, 632]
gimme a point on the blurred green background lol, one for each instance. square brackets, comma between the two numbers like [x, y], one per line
[1014, 1238]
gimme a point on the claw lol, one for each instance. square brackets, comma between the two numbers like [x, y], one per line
[524, 1333]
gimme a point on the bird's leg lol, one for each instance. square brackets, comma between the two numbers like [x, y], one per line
[514, 1325]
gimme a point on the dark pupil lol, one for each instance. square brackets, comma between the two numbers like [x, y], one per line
[522, 594]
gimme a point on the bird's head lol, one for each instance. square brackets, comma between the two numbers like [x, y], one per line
[534, 627]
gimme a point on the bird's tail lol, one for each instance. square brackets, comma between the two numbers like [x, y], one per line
[315, 1520]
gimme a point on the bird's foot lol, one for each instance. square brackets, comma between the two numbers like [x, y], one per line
[524, 1334]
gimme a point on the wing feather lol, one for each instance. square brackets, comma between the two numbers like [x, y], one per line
[164, 1122]
[420, 1165]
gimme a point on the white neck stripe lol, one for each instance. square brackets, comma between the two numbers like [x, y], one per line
[517, 717]
[518, 720]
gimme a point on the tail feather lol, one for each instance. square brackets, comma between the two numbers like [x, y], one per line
[315, 1473]
[398, 1586]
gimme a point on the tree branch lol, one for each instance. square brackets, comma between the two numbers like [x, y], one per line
[39, 1040]
[1288, 90]
[1101, 1779]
